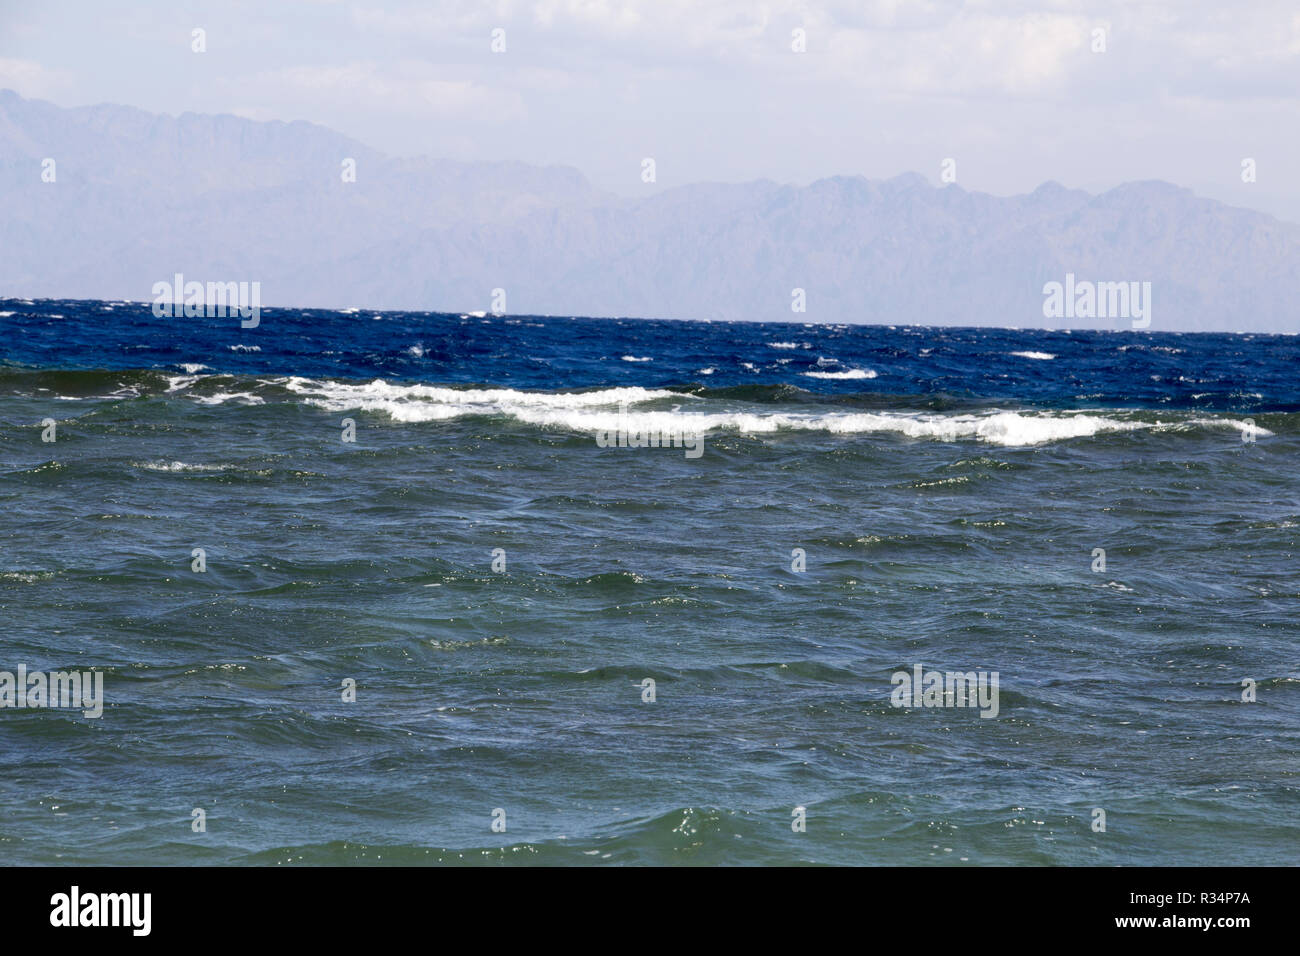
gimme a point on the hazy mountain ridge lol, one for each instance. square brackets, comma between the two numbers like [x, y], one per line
[139, 197]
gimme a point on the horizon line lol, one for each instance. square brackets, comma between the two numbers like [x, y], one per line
[485, 314]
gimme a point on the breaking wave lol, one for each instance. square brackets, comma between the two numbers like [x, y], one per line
[643, 409]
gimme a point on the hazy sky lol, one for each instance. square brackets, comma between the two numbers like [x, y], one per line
[1185, 90]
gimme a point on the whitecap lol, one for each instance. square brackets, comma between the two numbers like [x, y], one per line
[599, 410]
[176, 466]
[850, 374]
[247, 398]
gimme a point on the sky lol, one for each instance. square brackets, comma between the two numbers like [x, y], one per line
[1014, 93]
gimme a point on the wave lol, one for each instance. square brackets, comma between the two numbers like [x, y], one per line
[746, 410]
[177, 466]
[1040, 356]
[853, 373]
[80, 383]
[590, 412]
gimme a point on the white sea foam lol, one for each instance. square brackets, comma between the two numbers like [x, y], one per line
[1040, 356]
[245, 348]
[26, 577]
[588, 412]
[1167, 349]
[788, 345]
[176, 466]
[1232, 423]
[418, 403]
[637, 358]
[851, 373]
[246, 398]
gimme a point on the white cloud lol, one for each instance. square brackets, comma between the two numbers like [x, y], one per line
[1031, 54]
[406, 86]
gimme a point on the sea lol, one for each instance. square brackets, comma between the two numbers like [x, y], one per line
[407, 588]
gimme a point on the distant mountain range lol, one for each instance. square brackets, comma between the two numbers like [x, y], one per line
[138, 197]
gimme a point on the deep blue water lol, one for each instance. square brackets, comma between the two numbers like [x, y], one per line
[1240, 373]
[947, 489]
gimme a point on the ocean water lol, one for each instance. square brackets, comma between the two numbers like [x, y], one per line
[945, 491]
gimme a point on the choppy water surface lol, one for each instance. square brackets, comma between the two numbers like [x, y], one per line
[947, 489]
